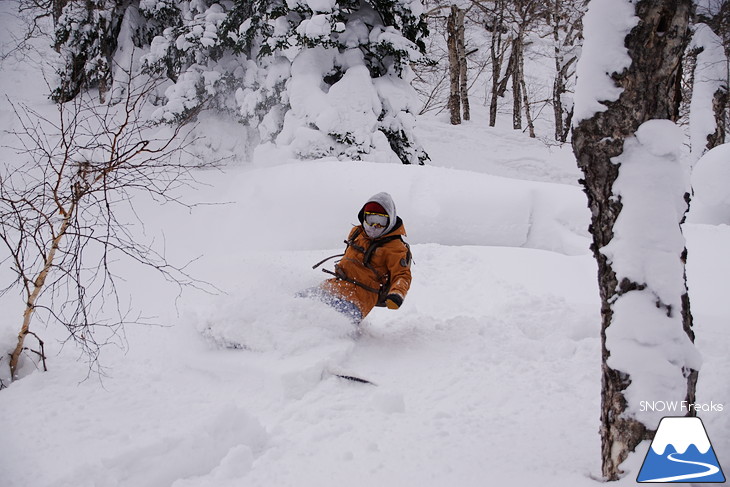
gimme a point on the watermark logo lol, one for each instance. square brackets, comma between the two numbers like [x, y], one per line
[681, 452]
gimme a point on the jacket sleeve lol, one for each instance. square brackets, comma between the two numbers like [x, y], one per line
[399, 266]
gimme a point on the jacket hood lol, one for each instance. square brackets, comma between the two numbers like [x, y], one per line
[386, 201]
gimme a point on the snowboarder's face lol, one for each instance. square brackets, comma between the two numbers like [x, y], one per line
[375, 224]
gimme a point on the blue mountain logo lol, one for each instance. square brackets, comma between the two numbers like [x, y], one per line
[681, 452]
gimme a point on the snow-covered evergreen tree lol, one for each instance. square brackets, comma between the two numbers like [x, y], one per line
[190, 52]
[317, 77]
[86, 37]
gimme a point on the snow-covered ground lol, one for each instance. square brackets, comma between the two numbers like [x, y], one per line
[488, 374]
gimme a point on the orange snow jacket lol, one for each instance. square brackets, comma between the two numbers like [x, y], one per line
[372, 268]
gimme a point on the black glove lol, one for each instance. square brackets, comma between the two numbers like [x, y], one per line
[393, 301]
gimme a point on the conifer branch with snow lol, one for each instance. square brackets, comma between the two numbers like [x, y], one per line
[311, 78]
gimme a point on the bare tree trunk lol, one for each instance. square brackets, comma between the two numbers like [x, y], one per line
[526, 103]
[461, 52]
[558, 84]
[517, 80]
[558, 89]
[655, 46]
[103, 86]
[565, 19]
[454, 66]
[719, 106]
[495, 83]
[38, 285]
[57, 6]
[497, 50]
[719, 21]
[567, 125]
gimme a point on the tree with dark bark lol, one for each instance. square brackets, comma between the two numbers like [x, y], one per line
[463, 69]
[715, 14]
[564, 19]
[706, 90]
[525, 15]
[496, 21]
[624, 141]
[509, 23]
[433, 78]
[458, 86]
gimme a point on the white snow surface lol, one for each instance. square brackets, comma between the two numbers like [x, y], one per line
[488, 374]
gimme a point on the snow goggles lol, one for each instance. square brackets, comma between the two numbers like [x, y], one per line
[376, 220]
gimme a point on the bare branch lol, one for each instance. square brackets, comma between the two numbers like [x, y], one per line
[59, 212]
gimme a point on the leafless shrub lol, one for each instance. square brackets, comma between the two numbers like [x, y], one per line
[60, 201]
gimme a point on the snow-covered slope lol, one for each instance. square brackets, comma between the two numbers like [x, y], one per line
[488, 374]
[490, 370]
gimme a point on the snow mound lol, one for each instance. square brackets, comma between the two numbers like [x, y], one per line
[710, 180]
[272, 209]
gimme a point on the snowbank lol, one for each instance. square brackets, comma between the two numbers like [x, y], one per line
[305, 206]
[710, 180]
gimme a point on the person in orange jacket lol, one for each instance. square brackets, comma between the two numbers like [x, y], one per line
[375, 269]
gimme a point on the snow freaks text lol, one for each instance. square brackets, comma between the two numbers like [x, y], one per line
[680, 406]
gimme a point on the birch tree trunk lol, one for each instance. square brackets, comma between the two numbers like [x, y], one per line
[565, 19]
[497, 51]
[649, 90]
[454, 66]
[526, 103]
[38, 284]
[458, 88]
[461, 53]
[559, 83]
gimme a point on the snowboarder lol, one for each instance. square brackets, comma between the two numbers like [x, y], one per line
[375, 269]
